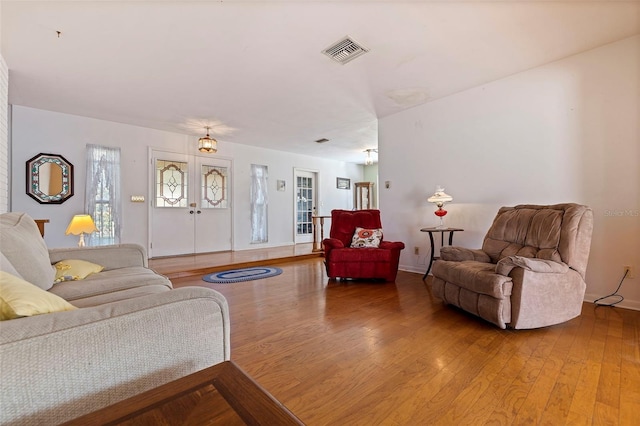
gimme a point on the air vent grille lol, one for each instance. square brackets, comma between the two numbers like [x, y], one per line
[345, 50]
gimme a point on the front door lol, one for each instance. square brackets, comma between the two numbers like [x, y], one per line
[191, 204]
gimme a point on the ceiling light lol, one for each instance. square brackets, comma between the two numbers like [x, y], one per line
[369, 160]
[208, 144]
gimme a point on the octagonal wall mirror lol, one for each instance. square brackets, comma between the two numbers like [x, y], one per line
[49, 178]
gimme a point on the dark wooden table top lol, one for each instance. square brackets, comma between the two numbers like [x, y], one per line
[221, 394]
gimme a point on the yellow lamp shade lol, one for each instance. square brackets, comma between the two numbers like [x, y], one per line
[81, 223]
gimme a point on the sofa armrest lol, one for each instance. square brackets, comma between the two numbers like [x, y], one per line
[392, 245]
[506, 265]
[59, 366]
[458, 254]
[111, 257]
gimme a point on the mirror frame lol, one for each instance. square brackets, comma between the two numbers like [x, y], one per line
[33, 178]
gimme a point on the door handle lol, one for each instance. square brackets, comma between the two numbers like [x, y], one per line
[198, 212]
[190, 211]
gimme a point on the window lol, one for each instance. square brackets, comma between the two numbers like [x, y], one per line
[102, 194]
[259, 200]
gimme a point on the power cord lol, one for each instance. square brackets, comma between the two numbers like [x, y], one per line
[614, 294]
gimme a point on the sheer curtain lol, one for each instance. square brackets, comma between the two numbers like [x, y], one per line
[259, 199]
[102, 194]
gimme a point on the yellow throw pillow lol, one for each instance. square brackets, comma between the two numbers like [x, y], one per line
[75, 269]
[19, 298]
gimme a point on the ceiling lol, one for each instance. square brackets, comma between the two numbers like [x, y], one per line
[254, 69]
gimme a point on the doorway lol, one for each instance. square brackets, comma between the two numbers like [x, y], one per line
[191, 209]
[305, 204]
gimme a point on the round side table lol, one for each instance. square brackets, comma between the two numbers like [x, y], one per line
[441, 231]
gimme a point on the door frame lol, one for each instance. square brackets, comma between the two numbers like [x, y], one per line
[151, 191]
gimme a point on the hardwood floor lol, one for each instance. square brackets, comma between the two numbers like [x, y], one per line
[200, 264]
[363, 353]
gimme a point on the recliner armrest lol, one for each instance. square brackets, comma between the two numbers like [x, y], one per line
[391, 245]
[458, 254]
[506, 265]
[332, 243]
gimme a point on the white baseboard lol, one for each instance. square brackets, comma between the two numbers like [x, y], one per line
[413, 269]
[627, 304]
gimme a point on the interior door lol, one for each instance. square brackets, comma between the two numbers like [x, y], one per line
[191, 206]
[305, 205]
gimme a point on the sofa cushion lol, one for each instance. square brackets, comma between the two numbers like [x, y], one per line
[119, 296]
[478, 277]
[19, 298]
[110, 281]
[75, 269]
[24, 247]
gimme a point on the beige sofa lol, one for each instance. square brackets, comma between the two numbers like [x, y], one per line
[132, 331]
[530, 271]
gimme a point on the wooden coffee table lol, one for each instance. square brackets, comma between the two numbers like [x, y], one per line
[221, 394]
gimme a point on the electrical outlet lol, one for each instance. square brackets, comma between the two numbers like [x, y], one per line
[631, 273]
[416, 250]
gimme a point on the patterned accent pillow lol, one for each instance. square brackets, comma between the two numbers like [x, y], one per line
[363, 237]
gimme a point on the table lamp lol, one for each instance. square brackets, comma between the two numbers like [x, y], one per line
[79, 225]
[439, 198]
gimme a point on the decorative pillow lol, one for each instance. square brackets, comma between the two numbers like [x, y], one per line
[19, 298]
[366, 238]
[75, 269]
[24, 247]
[6, 266]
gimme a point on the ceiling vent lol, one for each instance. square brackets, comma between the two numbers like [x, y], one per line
[345, 50]
[323, 140]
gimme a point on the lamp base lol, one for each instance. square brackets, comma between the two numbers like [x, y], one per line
[81, 242]
[441, 213]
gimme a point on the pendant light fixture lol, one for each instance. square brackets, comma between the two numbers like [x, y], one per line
[369, 161]
[208, 144]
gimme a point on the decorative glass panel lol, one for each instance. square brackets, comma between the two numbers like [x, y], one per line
[214, 187]
[171, 183]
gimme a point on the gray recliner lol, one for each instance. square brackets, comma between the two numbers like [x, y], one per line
[530, 271]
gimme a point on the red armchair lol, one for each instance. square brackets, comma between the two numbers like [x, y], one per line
[344, 261]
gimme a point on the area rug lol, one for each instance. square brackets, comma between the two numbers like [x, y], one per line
[239, 275]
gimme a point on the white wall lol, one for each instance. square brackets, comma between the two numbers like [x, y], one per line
[36, 131]
[4, 136]
[568, 131]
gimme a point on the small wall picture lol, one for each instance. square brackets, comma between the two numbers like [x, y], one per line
[281, 185]
[343, 183]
